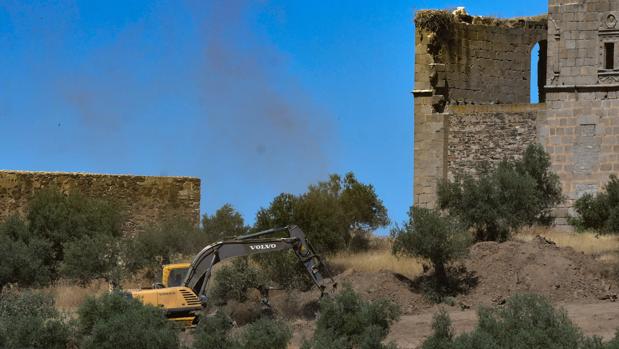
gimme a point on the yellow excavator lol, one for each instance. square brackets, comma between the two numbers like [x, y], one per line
[182, 291]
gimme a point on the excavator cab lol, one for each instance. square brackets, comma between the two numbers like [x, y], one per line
[174, 274]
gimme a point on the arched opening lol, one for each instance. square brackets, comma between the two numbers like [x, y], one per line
[539, 61]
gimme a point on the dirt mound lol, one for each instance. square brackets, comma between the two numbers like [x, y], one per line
[499, 271]
[384, 285]
[561, 274]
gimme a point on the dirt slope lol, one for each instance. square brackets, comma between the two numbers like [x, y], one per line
[499, 271]
[570, 279]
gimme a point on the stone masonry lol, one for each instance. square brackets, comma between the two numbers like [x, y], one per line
[143, 198]
[472, 94]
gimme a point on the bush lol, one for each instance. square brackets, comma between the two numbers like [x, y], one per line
[429, 235]
[266, 334]
[22, 260]
[329, 212]
[212, 333]
[224, 224]
[347, 321]
[601, 211]
[526, 321]
[162, 243]
[336, 214]
[536, 163]
[115, 321]
[94, 258]
[29, 320]
[503, 199]
[34, 251]
[232, 281]
[60, 219]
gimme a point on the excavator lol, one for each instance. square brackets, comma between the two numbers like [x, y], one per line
[182, 292]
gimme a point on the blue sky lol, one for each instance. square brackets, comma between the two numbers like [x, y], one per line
[254, 97]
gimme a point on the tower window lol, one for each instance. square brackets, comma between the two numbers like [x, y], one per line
[609, 49]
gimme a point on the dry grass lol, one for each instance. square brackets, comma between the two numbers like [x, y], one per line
[379, 258]
[68, 296]
[603, 247]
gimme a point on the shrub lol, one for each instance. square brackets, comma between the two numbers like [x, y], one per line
[536, 163]
[29, 320]
[526, 321]
[94, 258]
[601, 211]
[35, 250]
[442, 335]
[336, 214]
[266, 334]
[503, 199]
[285, 269]
[161, 243]
[429, 235]
[328, 212]
[116, 321]
[213, 333]
[225, 223]
[21, 261]
[347, 321]
[232, 281]
[60, 219]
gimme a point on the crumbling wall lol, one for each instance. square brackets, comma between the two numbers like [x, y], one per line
[475, 60]
[461, 60]
[489, 133]
[144, 198]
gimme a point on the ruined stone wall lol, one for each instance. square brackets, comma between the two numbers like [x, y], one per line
[144, 198]
[491, 63]
[489, 133]
[581, 129]
[471, 62]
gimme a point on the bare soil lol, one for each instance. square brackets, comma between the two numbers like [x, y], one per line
[567, 278]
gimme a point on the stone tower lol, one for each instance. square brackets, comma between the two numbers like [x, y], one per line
[472, 93]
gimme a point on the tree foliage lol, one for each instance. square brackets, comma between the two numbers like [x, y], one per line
[29, 320]
[63, 218]
[505, 198]
[429, 235]
[526, 321]
[22, 257]
[347, 321]
[115, 321]
[57, 224]
[161, 243]
[214, 333]
[266, 334]
[232, 281]
[328, 212]
[334, 214]
[600, 211]
[225, 223]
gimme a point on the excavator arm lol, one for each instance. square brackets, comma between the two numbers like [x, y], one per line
[181, 302]
[199, 273]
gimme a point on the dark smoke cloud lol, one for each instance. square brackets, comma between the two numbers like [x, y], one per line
[257, 111]
[248, 126]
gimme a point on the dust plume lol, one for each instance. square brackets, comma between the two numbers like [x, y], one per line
[255, 109]
[170, 87]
